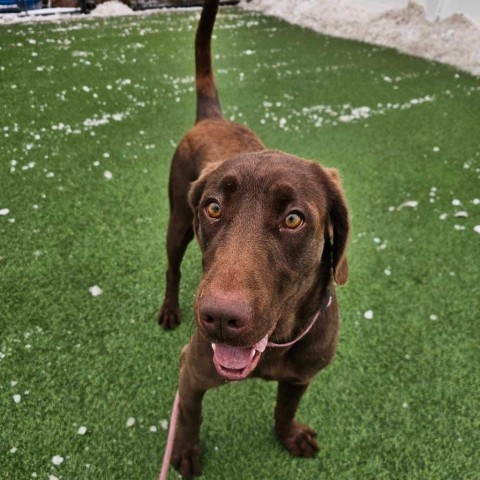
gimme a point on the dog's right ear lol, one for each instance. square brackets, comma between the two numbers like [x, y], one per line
[198, 186]
[194, 197]
[196, 191]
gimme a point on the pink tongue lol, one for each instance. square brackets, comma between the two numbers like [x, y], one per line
[234, 358]
[237, 358]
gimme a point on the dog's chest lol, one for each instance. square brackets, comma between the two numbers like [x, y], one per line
[278, 367]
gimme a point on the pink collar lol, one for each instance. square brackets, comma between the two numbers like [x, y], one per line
[310, 325]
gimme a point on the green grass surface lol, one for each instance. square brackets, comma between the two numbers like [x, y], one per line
[401, 399]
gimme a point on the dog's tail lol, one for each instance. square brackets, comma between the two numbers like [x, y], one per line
[208, 104]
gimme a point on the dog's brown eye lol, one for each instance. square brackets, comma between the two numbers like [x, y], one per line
[214, 210]
[293, 220]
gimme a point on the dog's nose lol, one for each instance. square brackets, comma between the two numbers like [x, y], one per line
[223, 318]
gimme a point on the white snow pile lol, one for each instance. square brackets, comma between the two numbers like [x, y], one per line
[454, 40]
[112, 8]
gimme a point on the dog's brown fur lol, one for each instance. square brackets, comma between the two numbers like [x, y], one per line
[270, 279]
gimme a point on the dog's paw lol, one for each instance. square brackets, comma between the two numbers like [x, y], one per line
[186, 460]
[169, 318]
[299, 440]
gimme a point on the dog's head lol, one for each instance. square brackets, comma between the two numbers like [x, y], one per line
[272, 228]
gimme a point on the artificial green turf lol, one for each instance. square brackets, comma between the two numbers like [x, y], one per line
[401, 399]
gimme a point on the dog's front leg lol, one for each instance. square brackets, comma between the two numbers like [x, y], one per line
[197, 375]
[186, 449]
[179, 235]
[298, 439]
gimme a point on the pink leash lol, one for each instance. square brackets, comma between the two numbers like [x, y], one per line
[176, 402]
[171, 436]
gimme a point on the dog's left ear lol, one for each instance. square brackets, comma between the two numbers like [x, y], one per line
[339, 225]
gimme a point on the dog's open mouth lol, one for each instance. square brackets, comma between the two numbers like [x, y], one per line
[236, 363]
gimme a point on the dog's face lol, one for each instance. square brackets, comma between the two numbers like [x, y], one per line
[270, 227]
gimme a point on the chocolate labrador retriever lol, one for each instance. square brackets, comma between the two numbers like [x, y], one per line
[273, 232]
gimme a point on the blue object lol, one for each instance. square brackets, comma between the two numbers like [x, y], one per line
[30, 4]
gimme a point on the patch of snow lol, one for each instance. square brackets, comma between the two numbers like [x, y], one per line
[57, 460]
[95, 291]
[78, 53]
[118, 116]
[454, 40]
[112, 8]
[95, 122]
[368, 315]
[321, 115]
[356, 114]
[409, 204]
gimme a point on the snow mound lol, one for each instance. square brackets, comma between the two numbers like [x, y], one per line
[454, 40]
[112, 8]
